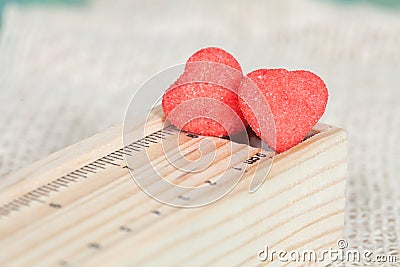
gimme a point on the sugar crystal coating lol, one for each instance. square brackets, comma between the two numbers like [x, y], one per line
[296, 99]
[210, 94]
[217, 55]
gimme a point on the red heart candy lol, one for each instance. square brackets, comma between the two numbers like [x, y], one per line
[204, 99]
[296, 99]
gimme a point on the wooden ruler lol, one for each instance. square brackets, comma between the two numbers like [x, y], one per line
[81, 206]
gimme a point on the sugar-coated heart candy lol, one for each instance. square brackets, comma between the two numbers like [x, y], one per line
[296, 101]
[204, 99]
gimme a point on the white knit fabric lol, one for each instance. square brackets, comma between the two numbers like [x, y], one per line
[69, 72]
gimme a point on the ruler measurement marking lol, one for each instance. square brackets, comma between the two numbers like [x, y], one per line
[33, 194]
[125, 152]
[97, 166]
[94, 245]
[148, 142]
[186, 198]
[107, 157]
[162, 132]
[125, 229]
[55, 205]
[156, 212]
[107, 162]
[151, 139]
[7, 206]
[132, 148]
[137, 147]
[210, 182]
[66, 177]
[139, 143]
[25, 199]
[89, 169]
[118, 154]
[127, 167]
[52, 185]
[127, 148]
[50, 188]
[63, 180]
[13, 206]
[72, 175]
[31, 198]
[158, 135]
[115, 157]
[4, 212]
[18, 201]
[34, 198]
[41, 189]
[40, 192]
[143, 142]
[81, 171]
[60, 183]
[79, 174]
[14, 203]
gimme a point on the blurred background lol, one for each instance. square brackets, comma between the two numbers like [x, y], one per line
[69, 68]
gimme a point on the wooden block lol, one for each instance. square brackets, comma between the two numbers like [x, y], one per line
[81, 207]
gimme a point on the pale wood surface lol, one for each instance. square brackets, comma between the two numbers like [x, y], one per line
[106, 220]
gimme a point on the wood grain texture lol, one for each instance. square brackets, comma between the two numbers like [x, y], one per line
[91, 213]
